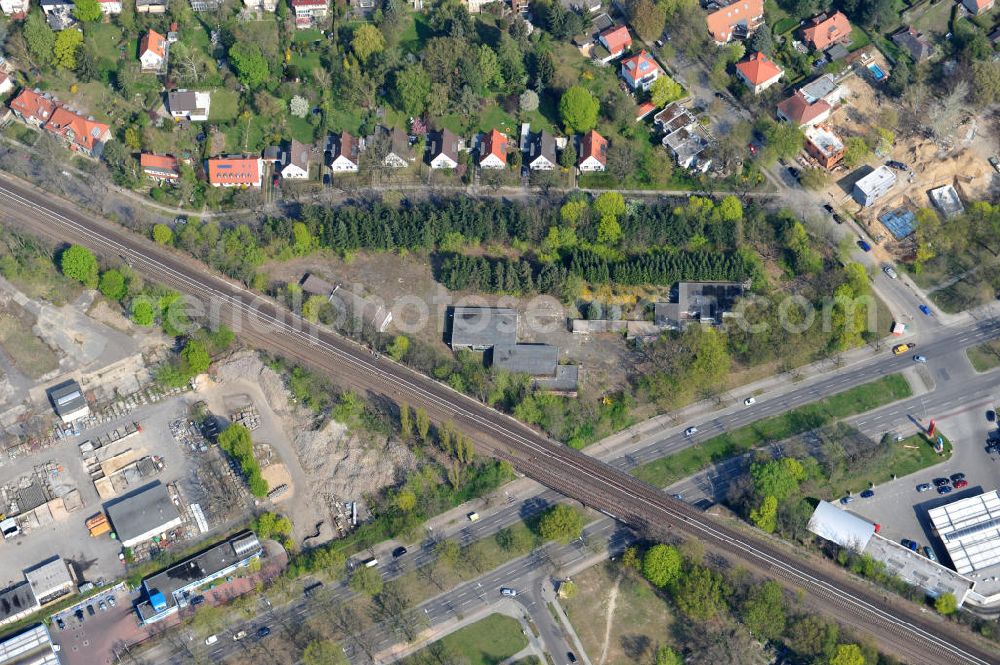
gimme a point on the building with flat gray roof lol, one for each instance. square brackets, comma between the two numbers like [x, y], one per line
[167, 591]
[50, 580]
[16, 602]
[68, 401]
[145, 513]
[869, 189]
[970, 531]
[541, 362]
[947, 200]
[29, 647]
[702, 302]
[482, 328]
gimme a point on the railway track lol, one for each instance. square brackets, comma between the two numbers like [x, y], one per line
[264, 324]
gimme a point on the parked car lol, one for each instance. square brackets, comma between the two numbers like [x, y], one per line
[929, 553]
[867, 494]
[507, 591]
[748, 401]
[239, 636]
[919, 359]
[398, 552]
[111, 601]
[940, 482]
[263, 631]
[846, 500]
[926, 310]
[944, 490]
[828, 208]
[690, 431]
[899, 166]
[961, 484]
[923, 487]
[90, 610]
[888, 270]
[794, 172]
[955, 477]
[211, 639]
[197, 600]
[991, 415]
[103, 606]
[837, 218]
[863, 244]
[570, 656]
[60, 623]
[909, 544]
[995, 163]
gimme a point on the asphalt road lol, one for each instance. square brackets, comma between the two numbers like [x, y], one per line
[898, 628]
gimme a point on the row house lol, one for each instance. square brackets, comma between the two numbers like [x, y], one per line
[235, 172]
[81, 134]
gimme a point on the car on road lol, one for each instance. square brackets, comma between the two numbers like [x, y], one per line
[239, 636]
[398, 552]
[919, 359]
[955, 477]
[846, 500]
[864, 245]
[929, 553]
[961, 484]
[991, 415]
[263, 631]
[888, 270]
[944, 490]
[867, 494]
[690, 431]
[900, 349]
[926, 310]
[748, 401]
[899, 166]
[473, 516]
[941, 482]
[923, 487]
[507, 591]
[837, 218]
[909, 544]
[570, 656]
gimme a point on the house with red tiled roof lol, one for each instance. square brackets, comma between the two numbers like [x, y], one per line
[235, 172]
[83, 134]
[6, 84]
[977, 7]
[159, 167]
[799, 110]
[33, 107]
[153, 51]
[615, 41]
[644, 109]
[735, 20]
[308, 11]
[593, 152]
[640, 70]
[759, 72]
[823, 31]
[493, 151]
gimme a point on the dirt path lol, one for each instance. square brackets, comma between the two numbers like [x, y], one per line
[612, 602]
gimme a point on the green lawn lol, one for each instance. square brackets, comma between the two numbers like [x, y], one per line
[307, 36]
[486, 642]
[300, 129]
[306, 63]
[346, 120]
[907, 456]
[105, 38]
[985, 356]
[225, 105]
[672, 468]
[415, 34]
[859, 39]
[935, 20]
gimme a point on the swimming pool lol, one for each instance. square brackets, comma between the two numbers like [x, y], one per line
[876, 71]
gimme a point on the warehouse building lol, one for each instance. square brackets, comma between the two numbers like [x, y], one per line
[16, 602]
[841, 527]
[50, 580]
[143, 515]
[970, 531]
[29, 647]
[167, 591]
[481, 328]
[68, 401]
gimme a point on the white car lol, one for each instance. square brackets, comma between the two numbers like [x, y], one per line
[748, 401]
[890, 272]
[506, 591]
[690, 431]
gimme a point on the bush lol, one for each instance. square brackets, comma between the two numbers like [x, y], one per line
[79, 263]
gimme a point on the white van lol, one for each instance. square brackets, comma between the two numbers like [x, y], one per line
[212, 639]
[371, 563]
[473, 516]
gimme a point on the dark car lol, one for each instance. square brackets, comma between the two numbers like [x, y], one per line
[863, 244]
[960, 484]
[899, 166]
[991, 415]
[846, 500]
[941, 482]
[923, 487]
[929, 553]
[867, 494]
[79, 614]
[90, 610]
[944, 490]
[828, 208]
[326, 178]
[955, 477]
[398, 552]
[909, 544]
[837, 218]
[926, 310]
[59, 622]
[263, 631]
[197, 600]
[570, 656]
[311, 590]
[794, 172]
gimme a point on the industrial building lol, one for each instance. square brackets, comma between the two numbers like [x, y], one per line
[541, 362]
[16, 602]
[970, 531]
[167, 591]
[869, 189]
[50, 580]
[143, 514]
[68, 401]
[29, 647]
[482, 328]
[701, 302]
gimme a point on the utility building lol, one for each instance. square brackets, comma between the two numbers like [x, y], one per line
[143, 515]
[874, 186]
[68, 401]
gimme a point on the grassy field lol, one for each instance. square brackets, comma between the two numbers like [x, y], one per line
[487, 642]
[640, 623]
[907, 456]
[984, 357]
[28, 353]
[666, 470]
[225, 105]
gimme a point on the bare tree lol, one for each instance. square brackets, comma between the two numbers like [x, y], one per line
[946, 115]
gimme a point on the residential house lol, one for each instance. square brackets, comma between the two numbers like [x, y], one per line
[192, 105]
[735, 20]
[261, 5]
[151, 6]
[58, 13]
[977, 7]
[823, 31]
[640, 70]
[493, 151]
[684, 137]
[163, 168]
[307, 12]
[644, 109]
[799, 110]
[205, 5]
[33, 107]
[296, 163]
[153, 52]
[15, 8]
[110, 7]
[914, 43]
[593, 154]
[345, 153]
[82, 134]
[396, 144]
[6, 83]
[542, 152]
[759, 72]
[869, 189]
[824, 146]
[443, 150]
[614, 43]
[235, 172]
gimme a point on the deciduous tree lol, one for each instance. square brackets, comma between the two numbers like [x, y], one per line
[661, 565]
[66, 45]
[366, 581]
[665, 90]
[763, 611]
[366, 41]
[250, 65]
[79, 263]
[87, 10]
[578, 109]
[561, 522]
[112, 284]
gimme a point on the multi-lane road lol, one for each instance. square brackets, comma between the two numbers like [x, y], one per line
[899, 629]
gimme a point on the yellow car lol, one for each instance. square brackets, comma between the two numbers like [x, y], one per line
[900, 349]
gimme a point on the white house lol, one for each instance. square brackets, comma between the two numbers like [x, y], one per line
[345, 154]
[593, 152]
[6, 84]
[297, 160]
[153, 51]
[189, 104]
[265, 5]
[308, 11]
[110, 7]
[542, 152]
[640, 70]
[759, 72]
[493, 151]
[444, 150]
[14, 7]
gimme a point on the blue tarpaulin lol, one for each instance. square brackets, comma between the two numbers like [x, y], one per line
[900, 223]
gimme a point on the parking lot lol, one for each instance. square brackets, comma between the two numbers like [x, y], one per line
[89, 636]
